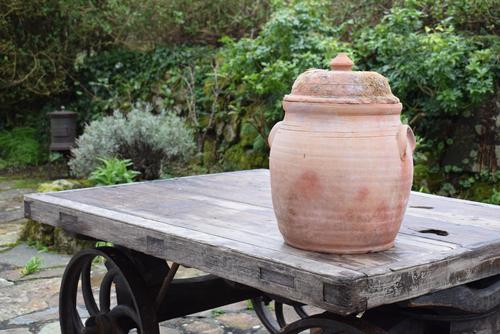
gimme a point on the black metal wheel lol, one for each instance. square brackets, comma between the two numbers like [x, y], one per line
[327, 323]
[134, 304]
[274, 320]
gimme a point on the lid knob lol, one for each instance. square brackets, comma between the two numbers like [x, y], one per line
[341, 63]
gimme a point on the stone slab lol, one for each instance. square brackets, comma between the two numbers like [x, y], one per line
[51, 328]
[168, 330]
[8, 216]
[202, 327]
[4, 283]
[21, 254]
[27, 297]
[20, 330]
[9, 233]
[50, 313]
[11, 201]
[15, 275]
[241, 321]
[14, 194]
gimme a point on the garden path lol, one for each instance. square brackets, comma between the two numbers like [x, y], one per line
[28, 304]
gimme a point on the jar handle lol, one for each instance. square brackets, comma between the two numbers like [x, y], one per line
[273, 132]
[405, 138]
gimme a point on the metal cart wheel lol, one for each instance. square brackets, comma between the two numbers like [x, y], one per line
[135, 306]
[327, 323]
[274, 322]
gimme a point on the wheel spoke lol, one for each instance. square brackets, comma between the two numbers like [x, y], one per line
[88, 295]
[280, 316]
[274, 323]
[105, 290]
[77, 322]
[300, 311]
[134, 309]
[326, 326]
[260, 306]
[332, 324]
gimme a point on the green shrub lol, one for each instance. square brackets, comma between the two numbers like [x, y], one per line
[432, 69]
[472, 17]
[255, 74]
[494, 198]
[113, 171]
[261, 71]
[151, 142]
[19, 148]
[447, 83]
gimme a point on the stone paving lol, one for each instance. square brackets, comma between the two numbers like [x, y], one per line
[11, 201]
[29, 304]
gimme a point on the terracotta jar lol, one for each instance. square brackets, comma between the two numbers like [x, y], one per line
[341, 162]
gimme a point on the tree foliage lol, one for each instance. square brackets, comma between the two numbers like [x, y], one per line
[255, 74]
[41, 41]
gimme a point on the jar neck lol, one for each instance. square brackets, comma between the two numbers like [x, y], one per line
[343, 118]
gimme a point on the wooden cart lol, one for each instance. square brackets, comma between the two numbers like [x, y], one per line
[442, 276]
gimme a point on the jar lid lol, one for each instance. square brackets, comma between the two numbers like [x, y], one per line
[341, 85]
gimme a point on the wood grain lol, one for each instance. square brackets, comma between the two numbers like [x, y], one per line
[224, 224]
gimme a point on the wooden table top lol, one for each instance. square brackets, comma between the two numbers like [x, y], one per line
[224, 224]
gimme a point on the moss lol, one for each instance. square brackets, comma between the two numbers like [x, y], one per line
[480, 191]
[248, 134]
[236, 158]
[494, 198]
[47, 236]
[209, 154]
[54, 239]
[63, 184]
[27, 183]
[34, 232]
[63, 242]
[425, 180]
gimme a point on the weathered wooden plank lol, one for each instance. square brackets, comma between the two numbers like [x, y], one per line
[169, 202]
[240, 221]
[465, 235]
[250, 226]
[411, 281]
[454, 210]
[71, 208]
[224, 224]
[223, 257]
[255, 191]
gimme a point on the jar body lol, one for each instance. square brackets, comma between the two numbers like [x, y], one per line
[341, 176]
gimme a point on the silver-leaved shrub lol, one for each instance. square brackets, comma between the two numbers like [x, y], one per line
[151, 142]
